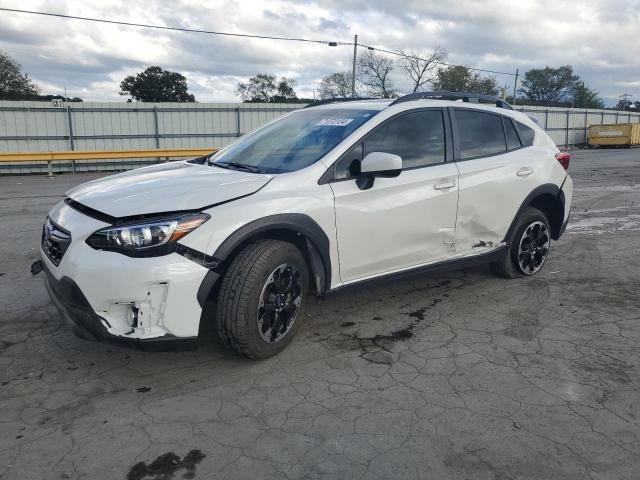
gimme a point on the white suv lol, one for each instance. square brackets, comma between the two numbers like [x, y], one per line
[317, 200]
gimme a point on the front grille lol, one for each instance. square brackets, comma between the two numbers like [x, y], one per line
[55, 241]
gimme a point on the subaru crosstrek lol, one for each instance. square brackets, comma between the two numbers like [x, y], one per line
[320, 199]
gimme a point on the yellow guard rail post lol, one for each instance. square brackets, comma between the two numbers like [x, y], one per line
[51, 157]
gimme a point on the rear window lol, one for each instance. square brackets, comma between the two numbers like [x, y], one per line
[527, 134]
[513, 141]
[479, 134]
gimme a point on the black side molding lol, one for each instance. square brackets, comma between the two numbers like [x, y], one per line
[495, 255]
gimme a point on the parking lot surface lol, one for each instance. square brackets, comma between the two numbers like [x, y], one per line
[454, 375]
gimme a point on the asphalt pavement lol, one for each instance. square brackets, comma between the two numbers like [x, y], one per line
[453, 375]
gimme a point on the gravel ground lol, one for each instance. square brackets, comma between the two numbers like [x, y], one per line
[456, 375]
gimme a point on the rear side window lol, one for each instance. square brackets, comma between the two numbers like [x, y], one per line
[417, 137]
[526, 134]
[479, 134]
[513, 141]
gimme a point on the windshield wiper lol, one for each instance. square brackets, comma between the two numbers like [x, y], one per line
[238, 166]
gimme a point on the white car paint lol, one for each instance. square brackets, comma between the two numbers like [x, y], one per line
[400, 222]
[424, 215]
[166, 187]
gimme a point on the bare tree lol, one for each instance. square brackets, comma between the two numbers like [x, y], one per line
[335, 85]
[373, 71]
[419, 66]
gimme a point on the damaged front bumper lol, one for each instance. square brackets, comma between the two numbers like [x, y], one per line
[76, 311]
[148, 303]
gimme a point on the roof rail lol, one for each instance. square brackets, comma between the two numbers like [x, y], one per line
[337, 100]
[465, 96]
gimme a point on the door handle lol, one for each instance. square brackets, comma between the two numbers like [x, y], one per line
[524, 172]
[444, 185]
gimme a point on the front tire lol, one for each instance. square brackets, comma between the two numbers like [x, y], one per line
[262, 297]
[528, 246]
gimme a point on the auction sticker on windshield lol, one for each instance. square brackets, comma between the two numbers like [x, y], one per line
[334, 122]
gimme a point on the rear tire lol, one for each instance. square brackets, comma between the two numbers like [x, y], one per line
[262, 296]
[528, 246]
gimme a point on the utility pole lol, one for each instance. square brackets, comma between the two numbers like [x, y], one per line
[353, 71]
[624, 97]
[515, 87]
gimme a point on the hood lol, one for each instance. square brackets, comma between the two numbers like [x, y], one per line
[167, 187]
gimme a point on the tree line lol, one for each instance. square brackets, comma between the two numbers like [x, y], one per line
[423, 70]
[558, 87]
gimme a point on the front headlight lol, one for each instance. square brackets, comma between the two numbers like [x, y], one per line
[147, 237]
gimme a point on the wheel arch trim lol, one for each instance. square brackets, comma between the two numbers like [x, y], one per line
[547, 189]
[313, 237]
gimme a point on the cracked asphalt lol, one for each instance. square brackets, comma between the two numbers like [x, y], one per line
[454, 375]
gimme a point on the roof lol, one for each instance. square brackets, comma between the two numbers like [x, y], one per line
[428, 98]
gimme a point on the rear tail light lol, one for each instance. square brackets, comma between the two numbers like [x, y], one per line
[563, 158]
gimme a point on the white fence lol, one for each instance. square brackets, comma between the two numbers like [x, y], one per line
[570, 126]
[39, 126]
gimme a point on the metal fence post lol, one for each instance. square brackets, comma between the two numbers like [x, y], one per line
[546, 119]
[586, 118]
[566, 144]
[71, 141]
[155, 121]
[617, 115]
[238, 133]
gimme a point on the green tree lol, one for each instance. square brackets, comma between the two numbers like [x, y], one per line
[550, 86]
[264, 88]
[584, 97]
[461, 79]
[285, 91]
[335, 85]
[260, 88]
[15, 85]
[156, 85]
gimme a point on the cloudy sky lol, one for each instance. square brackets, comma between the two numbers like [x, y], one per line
[598, 37]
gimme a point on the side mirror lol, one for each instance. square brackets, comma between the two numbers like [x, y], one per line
[381, 162]
[378, 164]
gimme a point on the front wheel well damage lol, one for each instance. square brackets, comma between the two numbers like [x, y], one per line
[304, 244]
[309, 239]
[209, 290]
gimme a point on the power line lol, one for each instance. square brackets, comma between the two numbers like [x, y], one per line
[177, 29]
[244, 35]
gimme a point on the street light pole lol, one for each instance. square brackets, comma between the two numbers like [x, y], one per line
[353, 71]
[515, 86]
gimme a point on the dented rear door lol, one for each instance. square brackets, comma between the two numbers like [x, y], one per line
[493, 184]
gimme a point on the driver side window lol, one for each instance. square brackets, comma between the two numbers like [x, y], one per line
[417, 137]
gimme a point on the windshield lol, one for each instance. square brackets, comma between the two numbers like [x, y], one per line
[292, 143]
